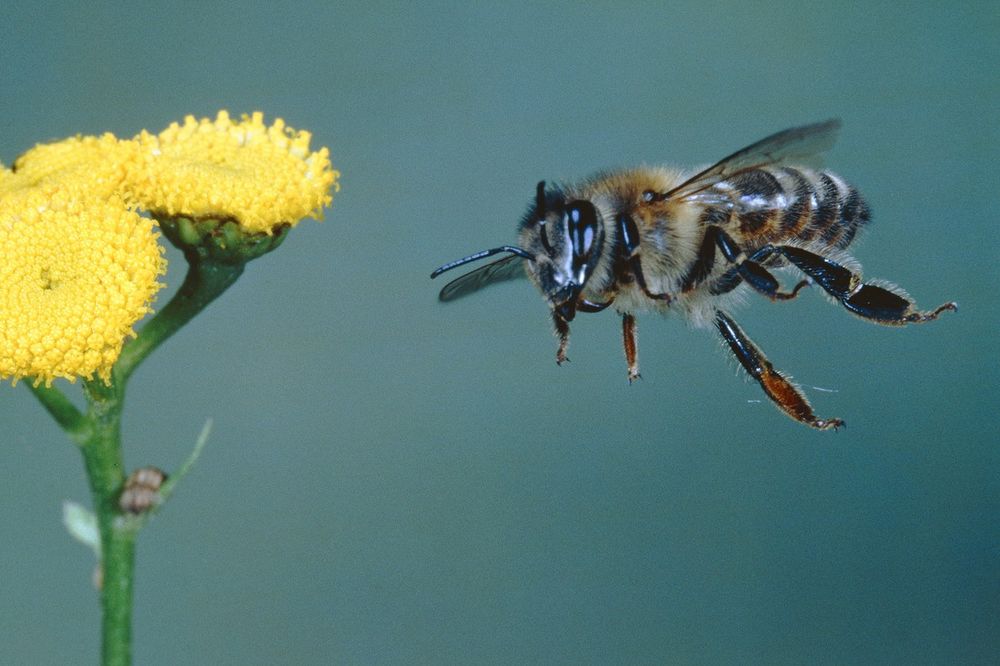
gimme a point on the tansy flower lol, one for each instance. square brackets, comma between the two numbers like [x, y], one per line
[76, 272]
[7, 178]
[258, 176]
[101, 163]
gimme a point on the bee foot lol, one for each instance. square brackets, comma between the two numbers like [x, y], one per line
[918, 317]
[787, 296]
[829, 424]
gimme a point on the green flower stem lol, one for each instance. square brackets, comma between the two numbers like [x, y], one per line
[98, 433]
[102, 455]
[102, 449]
[217, 252]
[76, 425]
[205, 281]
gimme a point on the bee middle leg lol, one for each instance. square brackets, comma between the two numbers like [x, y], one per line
[749, 268]
[785, 395]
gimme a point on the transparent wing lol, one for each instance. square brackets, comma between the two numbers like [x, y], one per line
[500, 270]
[797, 144]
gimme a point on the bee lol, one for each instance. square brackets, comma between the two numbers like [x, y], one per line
[657, 240]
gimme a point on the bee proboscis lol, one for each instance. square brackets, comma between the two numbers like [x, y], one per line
[657, 239]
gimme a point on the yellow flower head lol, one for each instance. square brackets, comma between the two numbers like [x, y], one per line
[7, 180]
[259, 176]
[76, 272]
[101, 163]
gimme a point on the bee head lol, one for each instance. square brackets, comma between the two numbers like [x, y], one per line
[565, 237]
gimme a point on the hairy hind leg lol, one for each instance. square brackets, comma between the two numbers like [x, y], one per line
[866, 300]
[785, 395]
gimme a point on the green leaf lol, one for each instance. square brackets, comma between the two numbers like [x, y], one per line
[81, 523]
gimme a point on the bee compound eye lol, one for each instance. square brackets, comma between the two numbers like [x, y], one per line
[583, 228]
[141, 491]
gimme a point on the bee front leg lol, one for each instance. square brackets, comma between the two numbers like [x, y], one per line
[629, 234]
[631, 353]
[562, 332]
[784, 393]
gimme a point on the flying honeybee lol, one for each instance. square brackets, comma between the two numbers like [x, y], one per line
[655, 239]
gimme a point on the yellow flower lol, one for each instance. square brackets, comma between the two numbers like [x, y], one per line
[7, 178]
[103, 164]
[76, 272]
[259, 176]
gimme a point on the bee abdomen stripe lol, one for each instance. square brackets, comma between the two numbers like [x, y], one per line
[758, 190]
[799, 210]
[828, 209]
[854, 214]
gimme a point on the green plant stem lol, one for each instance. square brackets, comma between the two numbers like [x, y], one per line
[76, 425]
[98, 433]
[205, 281]
[102, 455]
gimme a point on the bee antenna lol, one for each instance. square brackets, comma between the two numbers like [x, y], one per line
[540, 210]
[540, 201]
[482, 254]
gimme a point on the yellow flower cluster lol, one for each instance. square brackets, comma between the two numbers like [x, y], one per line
[76, 272]
[257, 175]
[103, 162]
[79, 266]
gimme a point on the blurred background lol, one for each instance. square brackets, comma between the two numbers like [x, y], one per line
[395, 481]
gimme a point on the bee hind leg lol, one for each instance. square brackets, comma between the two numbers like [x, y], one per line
[866, 300]
[785, 395]
[631, 352]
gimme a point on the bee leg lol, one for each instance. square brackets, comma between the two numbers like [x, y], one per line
[636, 265]
[589, 306]
[778, 388]
[562, 331]
[866, 300]
[750, 268]
[631, 352]
[761, 279]
[629, 234]
[702, 267]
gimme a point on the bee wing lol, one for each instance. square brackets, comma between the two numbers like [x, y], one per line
[500, 270]
[795, 144]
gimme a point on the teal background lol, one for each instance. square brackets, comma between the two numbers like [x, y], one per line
[395, 481]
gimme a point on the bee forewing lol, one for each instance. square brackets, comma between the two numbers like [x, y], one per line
[799, 145]
[500, 270]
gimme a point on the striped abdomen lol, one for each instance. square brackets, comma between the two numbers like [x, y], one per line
[775, 204]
